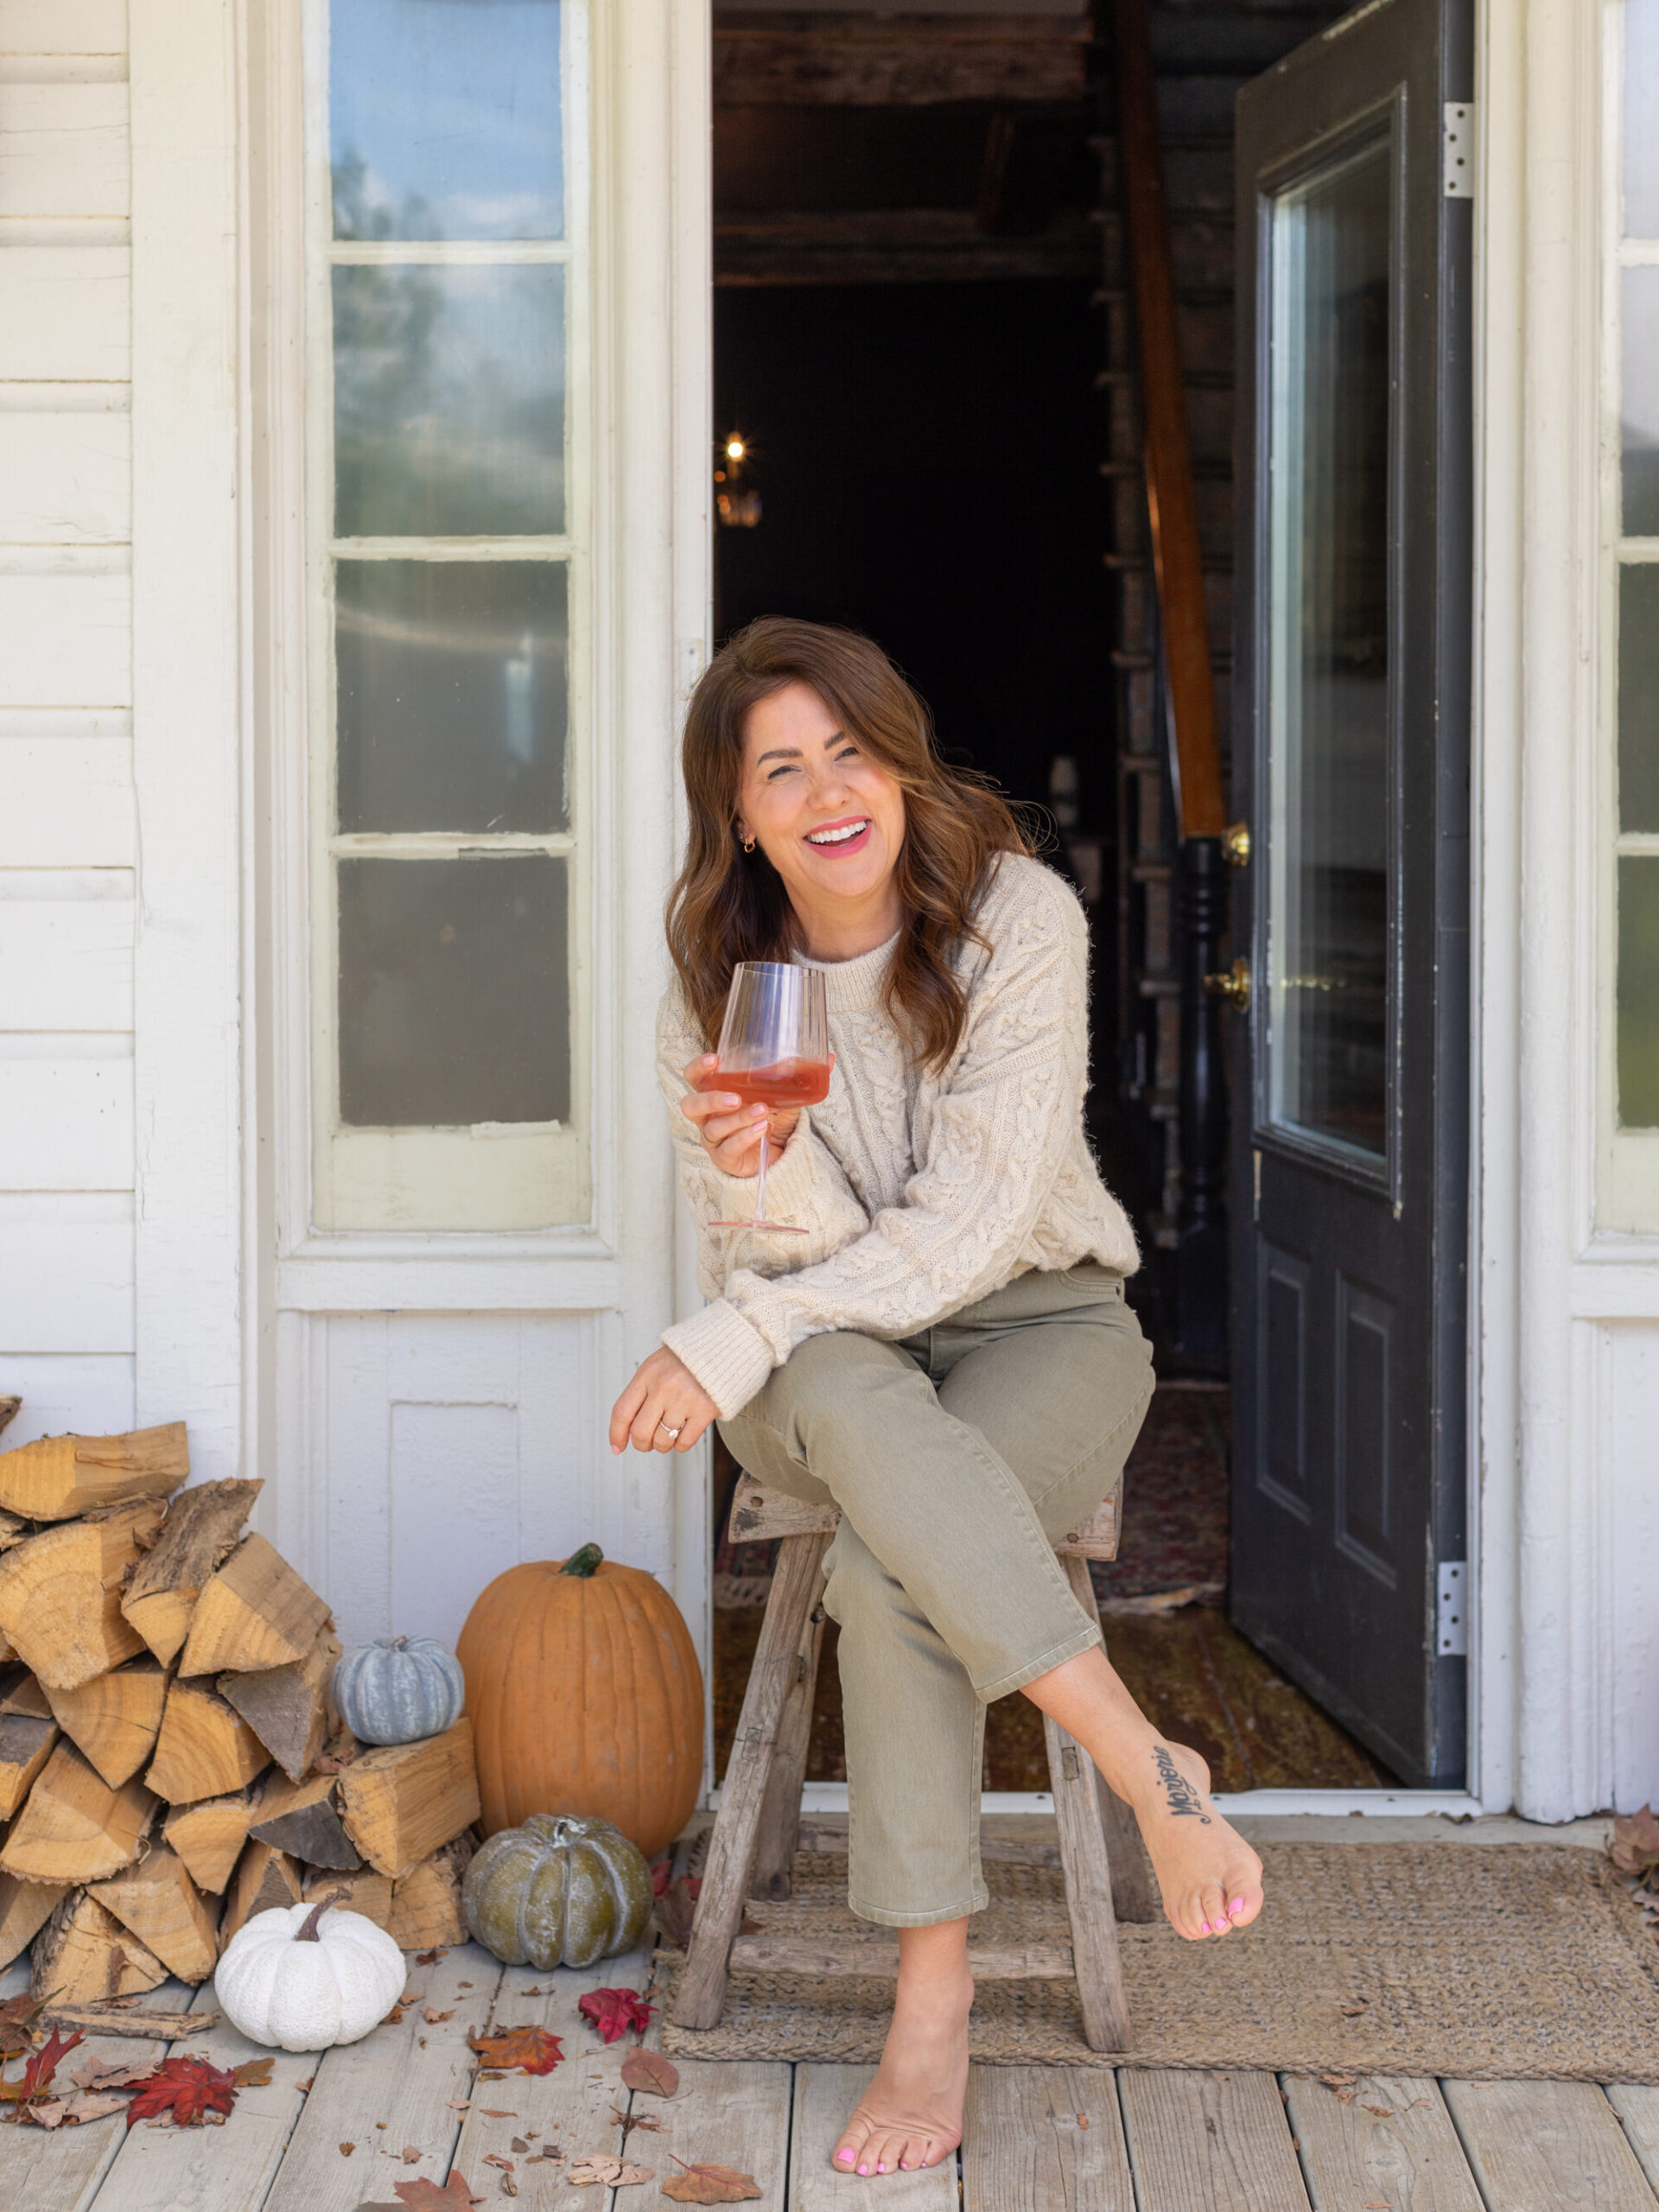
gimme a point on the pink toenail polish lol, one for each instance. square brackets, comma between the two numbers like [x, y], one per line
[1238, 1905]
[863, 2170]
[1204, 1927]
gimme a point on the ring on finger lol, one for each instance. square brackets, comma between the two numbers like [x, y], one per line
[671, 1429]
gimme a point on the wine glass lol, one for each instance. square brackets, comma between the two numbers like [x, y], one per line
[774, 1051]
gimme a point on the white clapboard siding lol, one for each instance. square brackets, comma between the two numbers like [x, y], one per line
[66, 472]
[68, 800]
[63, 26]
[63, 150]
[65, 311]
[65, 634]
[66, 1117]
[67, 1390]
[65, 1272]
[66, 962]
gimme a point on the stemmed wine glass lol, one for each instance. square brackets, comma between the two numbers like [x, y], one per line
[774, 1051]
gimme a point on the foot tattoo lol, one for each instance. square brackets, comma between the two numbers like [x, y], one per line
[1209, 1878]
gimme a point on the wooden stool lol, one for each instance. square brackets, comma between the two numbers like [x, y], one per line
[752, 1846]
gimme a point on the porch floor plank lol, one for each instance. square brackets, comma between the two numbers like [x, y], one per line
[1210, 2139]
[63, 2170]
[824, 2097]
[1026, 2148]
[1637, 2106]
[225, 2169]
[1393, 2145]
[1538, 2146]
[409, 2077]
[569, 2109]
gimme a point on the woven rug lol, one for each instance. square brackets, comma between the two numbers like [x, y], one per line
[1488, 1961]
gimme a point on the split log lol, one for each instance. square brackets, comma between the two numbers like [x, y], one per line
[426, 1904]
[255, 1612]
[366, 1892]
[9, 1405]
[200, 1533]
[204, 1748]
[302, 1818]
[289, 1708]
[121, 2017]
[74, 1828]
[116, 1718]
[58, 1476]
[158, 1902]
[403, 1801]
[84, 1954]
[208, 1835]
[25, 1908]
[60, 1594]
[264, 1878]
[28, 1732]
[14, 1530]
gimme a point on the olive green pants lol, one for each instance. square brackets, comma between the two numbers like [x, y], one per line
[958, 1459]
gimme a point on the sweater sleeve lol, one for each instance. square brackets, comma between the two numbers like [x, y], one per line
[998, 1143]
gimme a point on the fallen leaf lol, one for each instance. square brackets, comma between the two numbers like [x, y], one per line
[393, 2016]
[411, 2156]
[1635, 1846]
[84, 2105]
[430, 1958]
[18, 2016]
[1383, 2112]
[186, 2090]
[434, 2019]
[608, 2172]
[709, 2184]
[493, 2158]
[672, 1913]
[612, 2013]
[1341, 2087]
[346, 2149]
[533, 1992]
[460, 2104]
[1083, 2120]
[38, 2069]
[253, 2074]
[491, 2112]
[463, 1985]
[650, 2071]
[425, 2196]
[519, 2144]
[529, 2050]
[95, 2074]
[413, 1997]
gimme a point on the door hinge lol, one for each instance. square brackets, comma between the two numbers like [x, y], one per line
[1457, 149]
[1452, 1610]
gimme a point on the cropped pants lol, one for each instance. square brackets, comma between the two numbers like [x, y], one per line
[959, 1457]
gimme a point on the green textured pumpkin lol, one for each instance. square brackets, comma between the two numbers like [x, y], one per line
[559, 1892]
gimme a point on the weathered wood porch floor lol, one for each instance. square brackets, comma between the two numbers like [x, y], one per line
[1039, 2140]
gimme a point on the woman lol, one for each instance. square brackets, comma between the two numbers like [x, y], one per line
[946, 1353]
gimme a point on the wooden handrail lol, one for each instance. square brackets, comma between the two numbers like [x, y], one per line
[1175, 551]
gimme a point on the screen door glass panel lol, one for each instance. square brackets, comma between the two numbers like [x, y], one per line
[1330, 252]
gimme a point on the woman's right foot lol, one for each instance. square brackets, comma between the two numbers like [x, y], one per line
[1209, 1878]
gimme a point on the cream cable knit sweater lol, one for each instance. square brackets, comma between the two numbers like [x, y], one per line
[919, 1191]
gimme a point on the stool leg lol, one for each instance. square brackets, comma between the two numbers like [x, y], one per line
[1134, 1890]
[1088, 1875]
[780, 1812]
[700, 1993]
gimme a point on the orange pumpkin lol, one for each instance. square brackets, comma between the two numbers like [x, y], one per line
[586, 1697]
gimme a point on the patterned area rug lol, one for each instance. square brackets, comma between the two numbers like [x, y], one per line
[1487, 1961]
[1174, 1546]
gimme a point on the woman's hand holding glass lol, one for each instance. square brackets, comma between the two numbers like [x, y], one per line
[730, 1130]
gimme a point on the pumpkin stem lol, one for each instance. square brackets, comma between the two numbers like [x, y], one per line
[584, 1563]
[307, 1931]
[397, 1643]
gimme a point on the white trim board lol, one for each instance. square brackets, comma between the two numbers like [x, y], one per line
[1450, 1804]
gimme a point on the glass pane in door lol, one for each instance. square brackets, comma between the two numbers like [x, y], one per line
[1329, 386]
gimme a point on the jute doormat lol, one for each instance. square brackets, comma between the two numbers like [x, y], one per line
[1487, 1961]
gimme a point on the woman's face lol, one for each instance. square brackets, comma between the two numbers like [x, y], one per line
[829, 819]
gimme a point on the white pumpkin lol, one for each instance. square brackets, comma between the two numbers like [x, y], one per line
[305, 1977]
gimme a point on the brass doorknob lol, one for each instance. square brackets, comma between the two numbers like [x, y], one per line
[1236, 844]
[1234, 986]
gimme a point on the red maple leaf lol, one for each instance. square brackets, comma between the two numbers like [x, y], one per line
[189, 2088]
[530, 2051]
[613, 2012]
[40, 2066]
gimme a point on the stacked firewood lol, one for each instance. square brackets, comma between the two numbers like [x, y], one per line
[170, 1759]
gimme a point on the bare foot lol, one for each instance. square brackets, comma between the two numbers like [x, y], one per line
[1211, 1878]
[911, 2115]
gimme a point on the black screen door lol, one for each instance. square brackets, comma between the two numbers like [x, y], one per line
[1351, 748]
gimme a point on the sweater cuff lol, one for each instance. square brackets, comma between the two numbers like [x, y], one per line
[727, 1355]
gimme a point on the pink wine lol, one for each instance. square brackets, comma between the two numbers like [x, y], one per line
[785, 1083]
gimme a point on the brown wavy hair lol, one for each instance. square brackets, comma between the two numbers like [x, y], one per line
[729, 906]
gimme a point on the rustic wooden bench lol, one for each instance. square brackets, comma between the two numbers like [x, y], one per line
[751, 1849]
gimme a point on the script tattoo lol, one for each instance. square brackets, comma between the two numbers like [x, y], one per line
[1183, 1798]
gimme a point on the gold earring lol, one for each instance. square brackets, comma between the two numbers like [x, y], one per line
[748, 845]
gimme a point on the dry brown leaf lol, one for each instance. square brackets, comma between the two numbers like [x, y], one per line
[430, 1958]
[494, 2158]
[95, 2074]
[411, 2156]
[707, 2182]
[650, 2071]
[346, 2149]
[432, 2020]
[609, 2172]
[518, 2144]
[425, 2196]
[492, 2112]
[1383, 2112]
[253, 2074]
[532, 2051]
[1635, 1847]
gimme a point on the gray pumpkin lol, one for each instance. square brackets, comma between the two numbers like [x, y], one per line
[399, 1689]
[561, 1891]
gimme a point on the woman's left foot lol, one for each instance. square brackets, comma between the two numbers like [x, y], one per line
[911, 2115]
